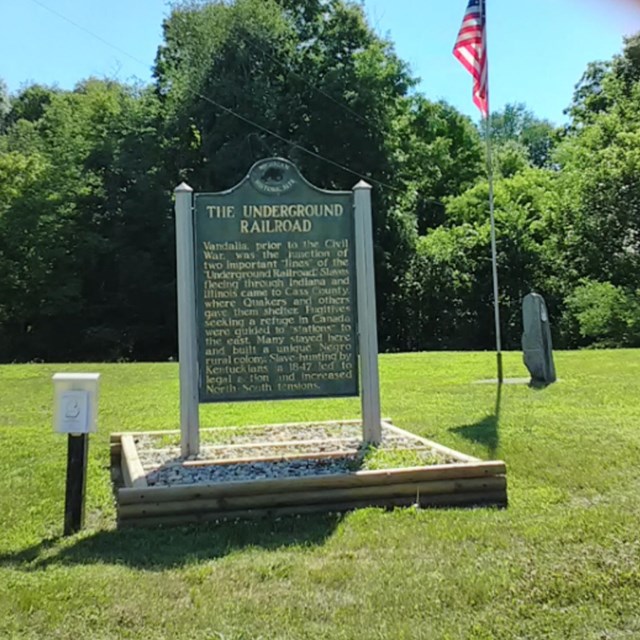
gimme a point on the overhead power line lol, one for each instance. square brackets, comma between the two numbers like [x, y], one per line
[239, 116]
[89, 32]
[292, 143]
[227, 109]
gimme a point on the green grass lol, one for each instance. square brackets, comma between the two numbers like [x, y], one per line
[393, 458]
[562, 561]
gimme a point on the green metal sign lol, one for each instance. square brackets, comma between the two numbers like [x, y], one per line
[275, 288]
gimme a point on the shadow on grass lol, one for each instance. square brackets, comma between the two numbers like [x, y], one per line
[538, 385]
[485, 431]
[159, 549]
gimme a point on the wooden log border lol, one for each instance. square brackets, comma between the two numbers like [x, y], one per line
[320, 496]
[131, 465]
[467, 481]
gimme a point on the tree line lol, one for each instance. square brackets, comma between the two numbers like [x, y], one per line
[87, 256]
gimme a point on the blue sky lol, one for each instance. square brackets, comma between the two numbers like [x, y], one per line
[537, 50]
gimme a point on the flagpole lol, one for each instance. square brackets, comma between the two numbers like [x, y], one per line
[494, 257]
[471, 50]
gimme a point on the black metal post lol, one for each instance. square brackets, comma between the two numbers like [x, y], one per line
[78, 447]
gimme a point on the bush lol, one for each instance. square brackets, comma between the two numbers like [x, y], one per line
[606, 315]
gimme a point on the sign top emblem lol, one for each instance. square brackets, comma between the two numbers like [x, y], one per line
[273, 177]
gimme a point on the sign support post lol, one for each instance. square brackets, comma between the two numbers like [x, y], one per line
[368, 332]
[77, 454]
[75, 413]
[187, 341]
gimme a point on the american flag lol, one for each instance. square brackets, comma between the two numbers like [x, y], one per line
[471, 50]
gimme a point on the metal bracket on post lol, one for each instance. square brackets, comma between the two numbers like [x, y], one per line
[367, 328]
[187, 340]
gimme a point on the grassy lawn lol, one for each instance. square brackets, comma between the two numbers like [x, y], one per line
[562, 561]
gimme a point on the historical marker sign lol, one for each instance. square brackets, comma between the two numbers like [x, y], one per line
[275, 288]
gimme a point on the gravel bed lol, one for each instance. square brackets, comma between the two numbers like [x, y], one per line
[177, 474]
[268, 433]
[163, 464]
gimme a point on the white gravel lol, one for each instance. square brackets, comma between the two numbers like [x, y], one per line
[163, 464]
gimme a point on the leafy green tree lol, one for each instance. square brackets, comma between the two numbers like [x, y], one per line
[607, 85]
[509, 158]
[441, 309]
[85, 238]
[314, 74]
[600, 183]
[601, 193]
[525, 211]
[5, 104]
[605, 314]
[517, 127]
[589, 96]
[31, 103]
[438, 154]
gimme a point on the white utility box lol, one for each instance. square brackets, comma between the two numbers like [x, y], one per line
[75, 408]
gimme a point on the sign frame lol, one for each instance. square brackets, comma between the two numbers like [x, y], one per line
[365, 315]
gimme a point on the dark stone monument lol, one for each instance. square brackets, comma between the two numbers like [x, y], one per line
[536, 340]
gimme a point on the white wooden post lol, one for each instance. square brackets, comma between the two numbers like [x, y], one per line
[187, 329]
[367, 329]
